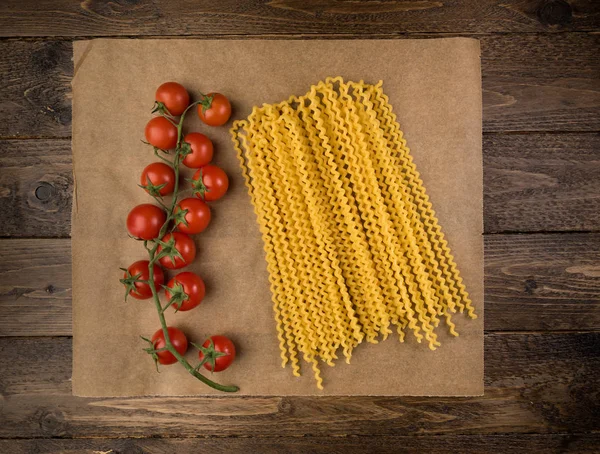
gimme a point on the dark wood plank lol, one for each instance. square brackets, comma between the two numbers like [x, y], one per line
[532, 182]
[542, 282]
[535, 383]
[36, 187]
[541, 182]
[532, 283]
[433, 444]
[35, 88]
[139, 18]
[35, 287]
[541, 83]
[530, 83]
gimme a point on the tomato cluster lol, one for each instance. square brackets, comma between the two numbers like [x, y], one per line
[166, 231]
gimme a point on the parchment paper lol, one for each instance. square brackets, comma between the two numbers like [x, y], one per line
[435, 89]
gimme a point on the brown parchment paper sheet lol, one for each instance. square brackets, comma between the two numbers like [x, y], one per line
[435, 89]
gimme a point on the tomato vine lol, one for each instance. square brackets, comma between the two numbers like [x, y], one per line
[158, 249]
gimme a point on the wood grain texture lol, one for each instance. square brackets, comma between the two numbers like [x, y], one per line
[536, 80]
[142, 18]
[542, 282]
[534, 383]
[433, 444]
[532, 182]
[530, 83]
[36, 188]
[541, 83]
[532, 282]
[35, 287]
[541, 182]
[35, 88]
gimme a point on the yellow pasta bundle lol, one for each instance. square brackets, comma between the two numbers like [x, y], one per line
[351, 240]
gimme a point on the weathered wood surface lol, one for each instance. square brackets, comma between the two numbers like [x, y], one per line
[36, 188]
[541, 282]
[541, 182]
[530, 83]
[540, 383]
[35, 288]
[542, 386]
[432, 444]
[142, 18]
[35, 88]
[541, 82]
[532, 182]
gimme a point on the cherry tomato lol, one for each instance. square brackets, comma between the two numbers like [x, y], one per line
[161, 133]
[139, 271]
[188, 289]
[210, 183]
[186, 247]
[197, 216]
[202, 150]
[178, 340]
[174, 96]
[217, 113]
[144, 221]
[156, 175]
[220, 344]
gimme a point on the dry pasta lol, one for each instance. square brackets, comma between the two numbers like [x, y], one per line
[352, 243]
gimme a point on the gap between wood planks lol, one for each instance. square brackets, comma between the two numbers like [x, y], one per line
[526, 232]
[335, 438]
[300, 36]
[300, 444]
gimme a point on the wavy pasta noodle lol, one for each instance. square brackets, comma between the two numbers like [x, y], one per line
[354, 250]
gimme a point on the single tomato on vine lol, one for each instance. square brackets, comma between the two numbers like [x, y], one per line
[173, 96]
[144, 221]
[210, 183]
[161, 133]
[196, 217]
[158, 179]
[178, 339]
[173, 245]
[214, 110]
[219, 352]
[138, 271]
[202, 150]
[186, 291]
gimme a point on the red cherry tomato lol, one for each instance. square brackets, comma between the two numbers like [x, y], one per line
[158, 174]
[219, 111]
[197, 216]
[189, 290]
[139, 269]
[178, 340]
[174, 96]
[161, 133]
[210, 183]
[202, 150]
[144, 221]
[220, 344]
[186, 247]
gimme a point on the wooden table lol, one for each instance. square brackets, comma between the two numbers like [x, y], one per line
[541, 82]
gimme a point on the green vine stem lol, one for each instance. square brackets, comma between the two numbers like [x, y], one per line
[154, 258]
